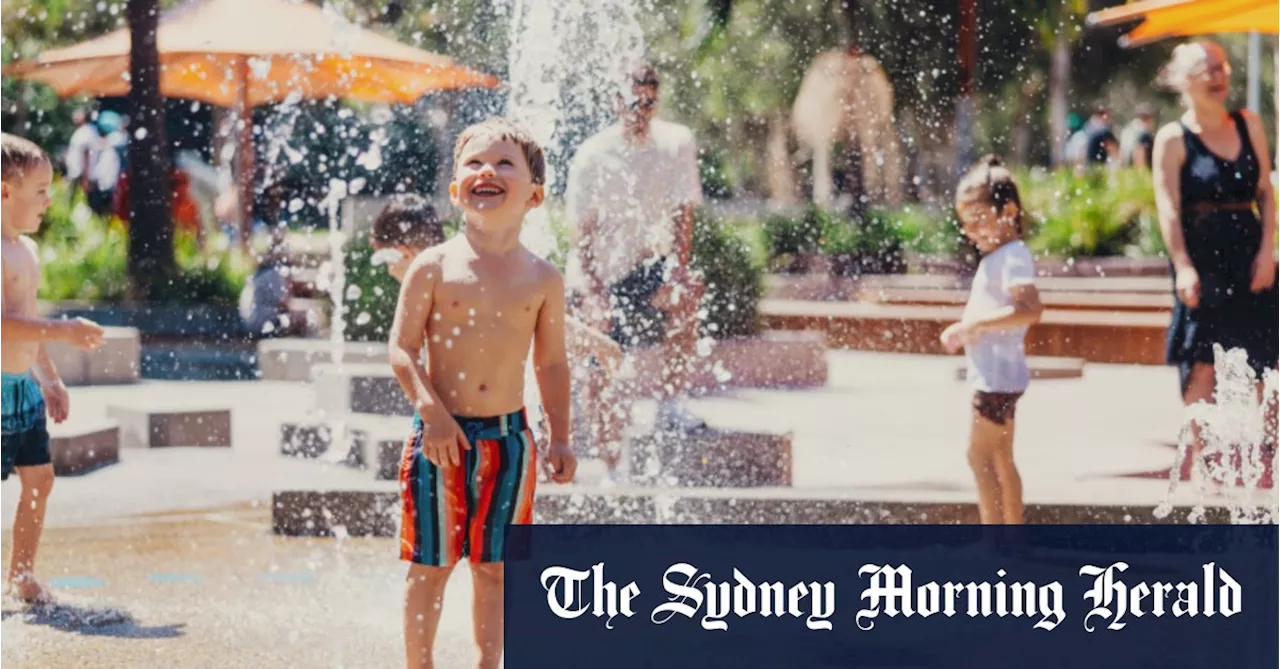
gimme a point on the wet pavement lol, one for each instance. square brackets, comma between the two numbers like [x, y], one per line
[179, 539]
[216, 589]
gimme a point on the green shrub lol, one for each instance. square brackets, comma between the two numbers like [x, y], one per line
[788, 238]
[371, 294]
[733, 282]
[1094, 213]
[84, 257]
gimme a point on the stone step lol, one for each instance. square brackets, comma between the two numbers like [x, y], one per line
[376, 511]
[117, 361]
[715, 458]
[1116, 301]
[362, 388]
[772, 359]
[294, 358]
[372, 442]
[1094, 336]
[83, 447]
[154, 427]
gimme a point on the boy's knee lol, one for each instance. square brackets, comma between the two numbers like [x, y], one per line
[37, 481]
[488, 573]
[428, 576]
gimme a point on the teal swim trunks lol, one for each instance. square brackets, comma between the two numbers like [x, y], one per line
[26, 439]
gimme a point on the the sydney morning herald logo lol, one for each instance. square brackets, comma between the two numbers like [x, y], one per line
[1110, 601]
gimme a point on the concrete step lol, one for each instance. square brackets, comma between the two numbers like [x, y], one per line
[143, 426]
[372, 442]
[81, 447]
[377, 512]
[1094, 336]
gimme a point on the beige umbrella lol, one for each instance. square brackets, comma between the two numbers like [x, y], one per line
[242, 53]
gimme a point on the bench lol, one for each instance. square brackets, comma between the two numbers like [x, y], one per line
[1054, 299]
[1095, 336]
[827, 287]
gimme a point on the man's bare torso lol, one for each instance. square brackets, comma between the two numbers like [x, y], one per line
[21, 280]
[481, 325]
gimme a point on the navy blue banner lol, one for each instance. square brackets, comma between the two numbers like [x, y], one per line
[664, 597]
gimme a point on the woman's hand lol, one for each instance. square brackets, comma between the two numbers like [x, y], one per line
[1264, 270]
[1187, 285]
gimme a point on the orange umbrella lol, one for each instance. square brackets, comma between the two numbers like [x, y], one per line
[1162, 19]
[243, 53]
[227, 52]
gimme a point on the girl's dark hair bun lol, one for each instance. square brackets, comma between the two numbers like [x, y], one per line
[991, 160]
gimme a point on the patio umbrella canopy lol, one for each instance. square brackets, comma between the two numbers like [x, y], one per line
[243, 53]
[232, 52]
[1182, 18]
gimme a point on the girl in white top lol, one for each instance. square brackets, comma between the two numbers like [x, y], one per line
[1003, 303]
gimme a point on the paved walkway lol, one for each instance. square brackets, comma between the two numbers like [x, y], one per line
[179, 539]
[885, 425]
[217, 590]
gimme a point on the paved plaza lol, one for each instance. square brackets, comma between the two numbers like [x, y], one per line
[180, 539]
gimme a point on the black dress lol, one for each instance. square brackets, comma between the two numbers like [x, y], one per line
[1223, 235]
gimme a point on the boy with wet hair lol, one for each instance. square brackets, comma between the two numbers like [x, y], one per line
[409, 225]
[477, 302]
[32, 387]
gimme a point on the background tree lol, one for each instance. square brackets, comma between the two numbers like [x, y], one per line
[151, 263]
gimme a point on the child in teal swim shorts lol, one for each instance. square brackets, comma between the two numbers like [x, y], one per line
[31, 386]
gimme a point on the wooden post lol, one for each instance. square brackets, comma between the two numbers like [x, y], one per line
[967, 51]
[244, 150]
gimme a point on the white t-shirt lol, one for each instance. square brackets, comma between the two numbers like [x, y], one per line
[633, 192]
[998, 360]
[84, 146]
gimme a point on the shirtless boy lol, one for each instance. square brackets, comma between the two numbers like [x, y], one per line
[32, 386]
[408, 225]
[476, 302]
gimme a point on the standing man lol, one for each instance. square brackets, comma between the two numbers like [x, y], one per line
[631, 195]
[1139, 138]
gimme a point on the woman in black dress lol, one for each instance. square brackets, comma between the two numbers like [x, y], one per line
[1218, 217]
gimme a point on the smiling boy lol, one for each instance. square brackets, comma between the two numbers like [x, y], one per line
[477, 302]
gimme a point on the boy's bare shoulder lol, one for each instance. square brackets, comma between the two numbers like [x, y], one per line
[547, 273]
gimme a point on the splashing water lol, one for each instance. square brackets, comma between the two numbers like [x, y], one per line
[566, 62]
[1236, 453]
[337, 282]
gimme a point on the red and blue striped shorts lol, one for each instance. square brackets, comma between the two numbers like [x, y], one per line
[454, 512]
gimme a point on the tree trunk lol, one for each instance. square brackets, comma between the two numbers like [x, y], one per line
[967, 64]
[1021, 132]
[1059, 83]
[151, 264]
[853, 32]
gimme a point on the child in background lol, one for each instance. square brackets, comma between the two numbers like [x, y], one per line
[32, 386]
[1003, 303]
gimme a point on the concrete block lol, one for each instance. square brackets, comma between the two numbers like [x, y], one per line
[376, 512]
[83, 448]
[712, 458]
[152, 427]
[368, 388]
[117, 361]
[372, 442]
[295, 359]
[776, 358]
[319, 513]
